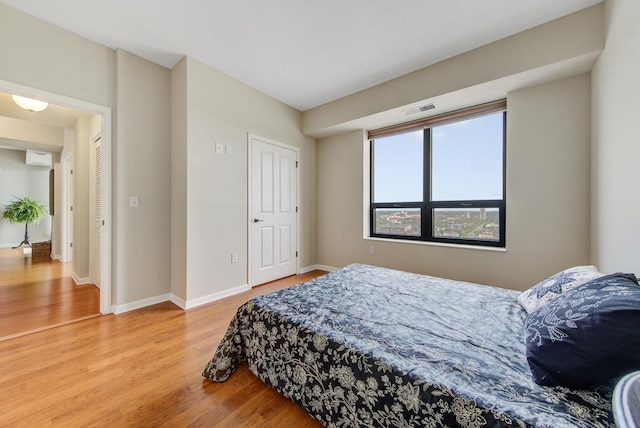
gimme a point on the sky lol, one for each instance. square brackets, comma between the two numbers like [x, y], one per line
[466, 157]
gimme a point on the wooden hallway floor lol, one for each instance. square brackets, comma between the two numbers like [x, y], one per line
[139, 369]
[37, 293]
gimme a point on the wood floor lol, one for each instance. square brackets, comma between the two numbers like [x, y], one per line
[38, 292]
[141, 368]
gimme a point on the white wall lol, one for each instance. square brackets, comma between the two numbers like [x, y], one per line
[18, 180]
[217, 108]
[47, 137]
[543, 73]
[560, 48]
[81, 200]
[143, 159]
[56, 219]
[43, 56]
[616, 141]
[179, 185]
[547, 197]
[221, 109]
[60, 244]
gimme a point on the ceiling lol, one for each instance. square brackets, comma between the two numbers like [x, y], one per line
[303, 53]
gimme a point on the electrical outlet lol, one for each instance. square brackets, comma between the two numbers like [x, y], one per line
[372, 250]
[234, 257]
[227, 150]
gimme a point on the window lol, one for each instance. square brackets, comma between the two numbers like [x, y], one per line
[441, 179]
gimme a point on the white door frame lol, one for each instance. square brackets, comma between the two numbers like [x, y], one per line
[251, 238]
[105, 113]
[66, 220]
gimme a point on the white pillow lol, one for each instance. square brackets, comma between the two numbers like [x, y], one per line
[555, 286]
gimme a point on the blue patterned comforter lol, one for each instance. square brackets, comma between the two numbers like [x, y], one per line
[372, 347]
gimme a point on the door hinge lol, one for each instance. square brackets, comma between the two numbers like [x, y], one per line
[71, 208]
[71, 244]
[296, 209]
[296, 164]
[71, 172]
[296, 254]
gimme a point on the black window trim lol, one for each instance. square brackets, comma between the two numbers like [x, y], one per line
[427, 206]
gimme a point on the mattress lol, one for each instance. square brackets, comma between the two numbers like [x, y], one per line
[367, 346]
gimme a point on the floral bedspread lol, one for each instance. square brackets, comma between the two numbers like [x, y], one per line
[372, 347]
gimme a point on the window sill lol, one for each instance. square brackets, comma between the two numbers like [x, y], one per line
[438, 244]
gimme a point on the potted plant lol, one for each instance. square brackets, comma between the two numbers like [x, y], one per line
[26, 210]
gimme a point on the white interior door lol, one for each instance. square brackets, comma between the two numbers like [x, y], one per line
[272, 211]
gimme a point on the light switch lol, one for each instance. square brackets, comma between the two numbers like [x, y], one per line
[133, 201]
[219, 148]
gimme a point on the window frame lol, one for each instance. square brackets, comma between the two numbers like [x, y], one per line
[427, 207]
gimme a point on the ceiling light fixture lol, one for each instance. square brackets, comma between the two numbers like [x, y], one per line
[29, 104]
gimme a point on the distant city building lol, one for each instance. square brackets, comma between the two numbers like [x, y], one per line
[455, 223]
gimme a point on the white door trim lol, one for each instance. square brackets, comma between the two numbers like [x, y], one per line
[250, 236]
[105, 113]
[66, 213]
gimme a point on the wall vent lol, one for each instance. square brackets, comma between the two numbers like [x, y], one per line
[420, 109]
[34, 157]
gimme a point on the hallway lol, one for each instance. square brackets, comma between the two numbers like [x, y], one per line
[39, 293]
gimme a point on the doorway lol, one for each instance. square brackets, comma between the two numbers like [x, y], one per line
[273, 210]
[37, 293]
[101, 266]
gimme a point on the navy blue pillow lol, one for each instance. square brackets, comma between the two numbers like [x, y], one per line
[589, 336]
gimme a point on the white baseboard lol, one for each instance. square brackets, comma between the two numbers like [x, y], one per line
[80, 281]
[177, 301]
[181, 303]
[139, 304]
[216, 296]
[317, 267]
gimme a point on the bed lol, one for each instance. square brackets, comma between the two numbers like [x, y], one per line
[366, 346]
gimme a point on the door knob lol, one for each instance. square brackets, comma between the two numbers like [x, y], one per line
[257, 220]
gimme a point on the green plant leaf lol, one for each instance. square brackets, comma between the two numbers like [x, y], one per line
[26, 210]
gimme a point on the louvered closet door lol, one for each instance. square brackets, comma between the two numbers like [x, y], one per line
[97, 220]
